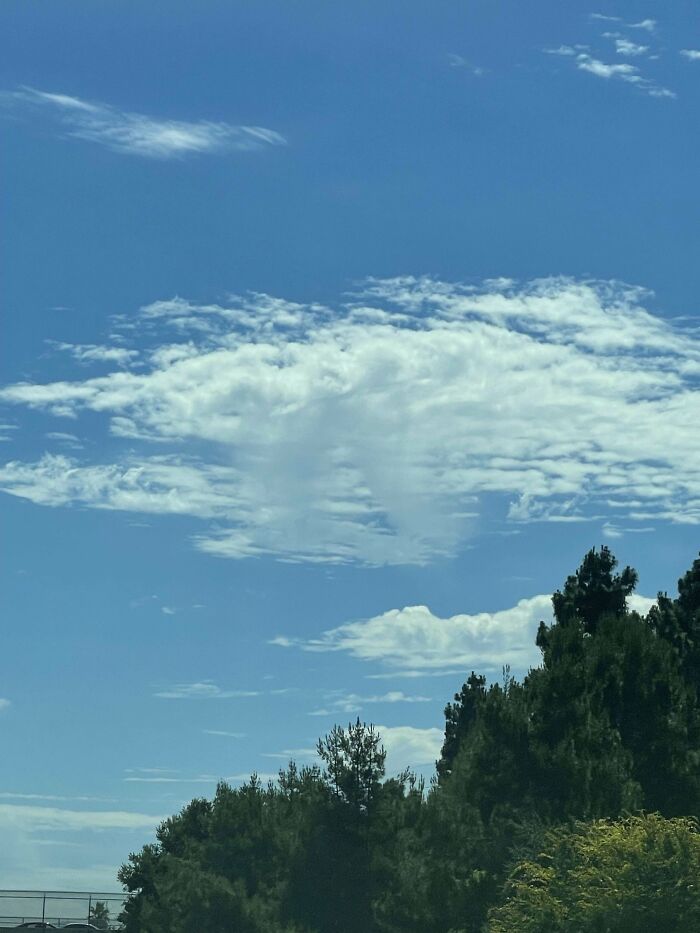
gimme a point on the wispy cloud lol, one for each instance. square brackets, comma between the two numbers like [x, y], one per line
[4, 704]
[458, 61]
[203, 690]
[55, 798]
[648, 25]
[46, 819]
[293, 754]
[141, 135]
[619, 71]
[94, 353]
[630, 49]
[222, 732]
[376, 432]
[337, 702]
[693, 55]
[606, 19]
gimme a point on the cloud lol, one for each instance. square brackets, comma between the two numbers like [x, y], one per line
[231, 735]
[168, 779]
[141, 135]
[55, 819]
[4, 704]
[8, 795]
[409, 747]
[693, 55]
[630, 74]
[604, 18]
[415, 638]
[204, 690]
[628, 48]
[95, 353]
[293, 754]
[458, 61]
[413, 642]
[625, 72]
[649, 25]
[353, 702]
[377, 432]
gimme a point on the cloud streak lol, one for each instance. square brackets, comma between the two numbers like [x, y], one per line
[138, 134]
[203, 690]
[377, 431]
[622, 71]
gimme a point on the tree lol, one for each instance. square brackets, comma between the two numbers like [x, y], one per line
[678, 622]
[634, 875]
[354, 761]
[99, 915]
[460, 716]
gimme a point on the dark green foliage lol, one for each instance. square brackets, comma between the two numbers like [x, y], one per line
[607, 725]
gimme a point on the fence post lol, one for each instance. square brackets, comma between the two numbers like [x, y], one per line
[43, 908]
[89, 907]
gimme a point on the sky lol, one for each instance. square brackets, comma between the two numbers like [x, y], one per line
[333, 337]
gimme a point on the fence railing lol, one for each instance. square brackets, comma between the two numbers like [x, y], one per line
[60, 908]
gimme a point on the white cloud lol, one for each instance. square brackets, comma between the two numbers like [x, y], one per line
[8, 795]
[649, 25]
[375, 433]
[293, 754]
[692, 55]
[221, 732]
[409, 747]
[415, 638]
[337, 702]
[604, 18]
[203, 690]
[413, 642]
[630, 49]
[167, 779]
[4, 704]
[48, 819]
[138, 134]
[639, 603]
[96, 353]
[458, 61]
[630, 74]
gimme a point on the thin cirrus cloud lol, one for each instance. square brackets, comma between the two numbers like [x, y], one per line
[377, 431]
[617, 71]
[338, 702]
[138, 134]
[202, 690]
[693, 55]
[48, 819]
[414, 638]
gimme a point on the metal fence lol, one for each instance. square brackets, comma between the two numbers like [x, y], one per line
[60, 908]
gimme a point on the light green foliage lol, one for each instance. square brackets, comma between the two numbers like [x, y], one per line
[635, 875]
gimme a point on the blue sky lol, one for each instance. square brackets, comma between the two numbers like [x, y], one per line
[333, 337]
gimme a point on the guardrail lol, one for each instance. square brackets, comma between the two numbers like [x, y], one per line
[60, 908]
